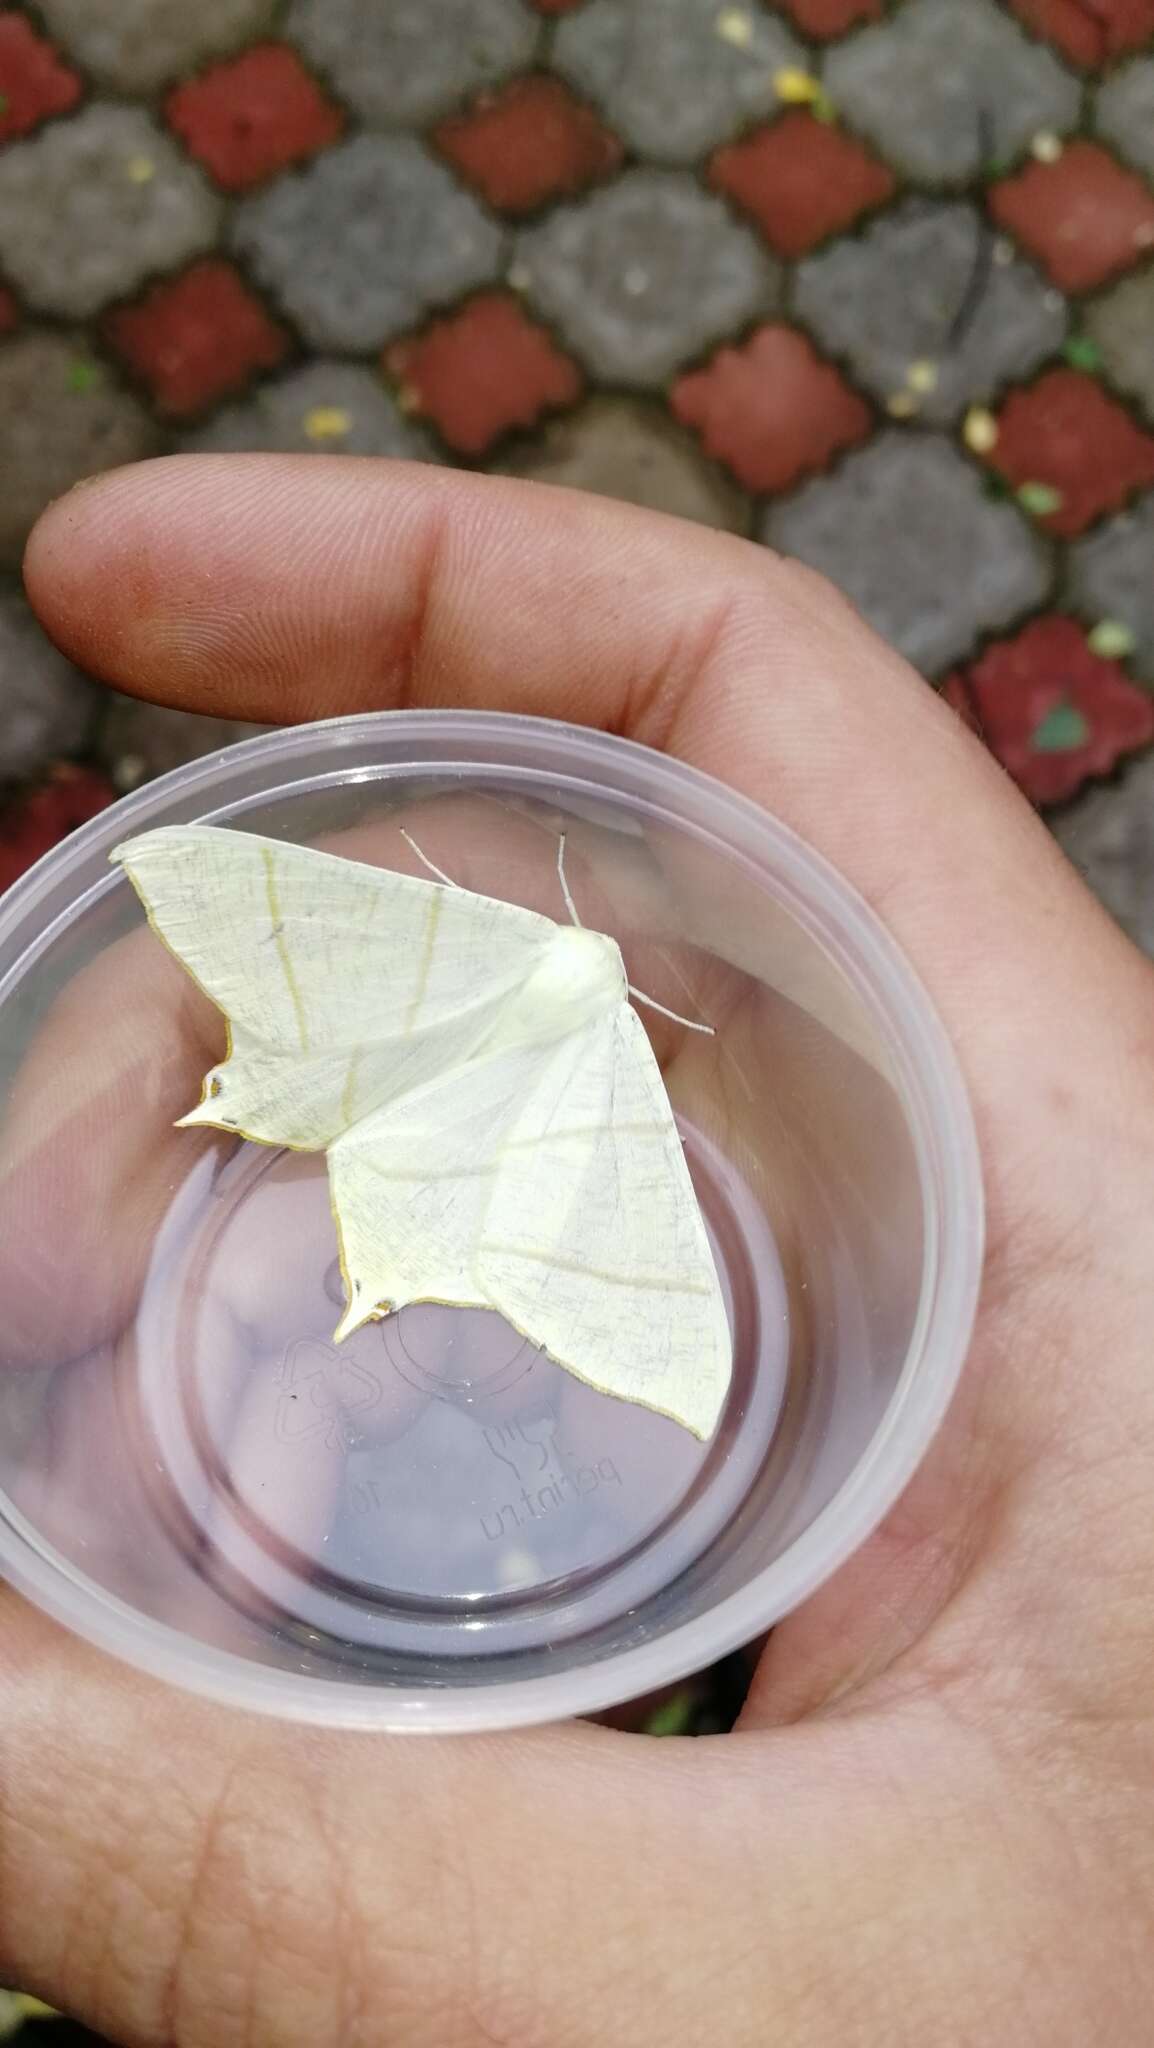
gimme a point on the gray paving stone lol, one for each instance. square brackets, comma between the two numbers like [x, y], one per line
[47, 707]
[1109, 834]
[906, 530]
[134, 45]
[944, 84]
[136, 741]
[331, 408]
[402, 61]
[630, 449]
[62, 417]
[91, 207]
[1122, 324]
[666, 78]
[366, 240]
[1124, 112]
[645, 274]
[890, 298]
[1111, 576]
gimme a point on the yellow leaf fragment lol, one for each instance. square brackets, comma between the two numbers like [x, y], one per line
[327, 423]
[735, 26]
[1112, 639]
[980, 430]
[796, 87]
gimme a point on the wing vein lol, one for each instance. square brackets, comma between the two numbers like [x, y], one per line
[431, 922]
[558, 1261]
[283, 954]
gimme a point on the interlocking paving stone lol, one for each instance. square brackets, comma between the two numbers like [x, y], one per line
[1109, 836]
[91, 206]
[327, 408]
[1121, 322]
[1083, 217]
[34, 82]
[134, 45]
[772, 411]
[645, 274]
[400, 61]
[1124, 112]
[940, 87]
[1070, 437]
[253, 116]
[953, 566]
[1111, 576]
[1054, 712]
[529, 144]
[1089, 32]
[63, 416]
[668, 79]
[367, 239]
[903, 293]
[196, 338]
[801, 179]
[484, 370]
[821, 18]
[628, 448]
[47, 708]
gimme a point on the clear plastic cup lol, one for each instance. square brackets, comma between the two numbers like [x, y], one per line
[432, 1526]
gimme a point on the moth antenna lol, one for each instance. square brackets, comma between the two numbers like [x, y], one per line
[426, 862]
[688, 1022]
[566, 892]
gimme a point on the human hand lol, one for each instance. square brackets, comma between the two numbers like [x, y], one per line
[932, 1823]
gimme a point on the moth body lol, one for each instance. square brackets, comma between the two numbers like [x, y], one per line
[580, 977]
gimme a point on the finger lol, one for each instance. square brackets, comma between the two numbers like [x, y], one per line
[87, 1162]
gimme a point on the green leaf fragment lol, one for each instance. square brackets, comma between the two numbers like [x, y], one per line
[1082, 353]
[674, 1716]
[1039, 499]
[82, 376]
[16, 2007]
[1112, 639]
[1062, 729]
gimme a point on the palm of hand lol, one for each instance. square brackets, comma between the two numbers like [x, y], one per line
[932, 1822]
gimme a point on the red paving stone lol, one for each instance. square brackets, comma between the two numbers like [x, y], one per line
[254, 116]
[34, 83]
[68, 798]
[1089, 32]
[197, 337]
[801, 180]
[771, 410]
[484, 370]
[1067, 433]
[9, 312]
[1084, 218]
[1053, 712]
[831, 17]
[531, 143]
